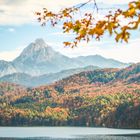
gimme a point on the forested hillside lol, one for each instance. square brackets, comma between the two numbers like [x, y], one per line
[106, 97]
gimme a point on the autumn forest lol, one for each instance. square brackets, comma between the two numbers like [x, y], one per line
[104, 97]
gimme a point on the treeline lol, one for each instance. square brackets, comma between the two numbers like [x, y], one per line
[119, 110]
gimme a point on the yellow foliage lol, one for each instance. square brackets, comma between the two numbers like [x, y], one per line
[87, 26]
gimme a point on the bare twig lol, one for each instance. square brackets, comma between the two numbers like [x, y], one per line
[84, 4]
[96, 5]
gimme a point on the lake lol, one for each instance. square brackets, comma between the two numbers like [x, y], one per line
[66, 133]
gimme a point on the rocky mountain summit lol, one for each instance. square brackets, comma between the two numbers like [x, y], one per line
[38, 59]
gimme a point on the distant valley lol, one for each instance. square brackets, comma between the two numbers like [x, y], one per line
[33, 81]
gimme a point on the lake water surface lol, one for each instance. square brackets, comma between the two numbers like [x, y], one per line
[89, 133]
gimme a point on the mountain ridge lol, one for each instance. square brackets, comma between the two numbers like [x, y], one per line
[38, 59]
[33, 81]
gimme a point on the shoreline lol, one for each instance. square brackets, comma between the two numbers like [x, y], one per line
[68, 127]
[88, 137]
[76, 137]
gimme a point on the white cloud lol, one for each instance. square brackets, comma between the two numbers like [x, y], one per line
[10, 55]
[60, 33]
[18, 12]
[22, 11]
[115, 1]
[122, 52]
[11, 30]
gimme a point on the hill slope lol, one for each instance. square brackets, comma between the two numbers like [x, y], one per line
[100, 61]
[32, 81]
[93, 98]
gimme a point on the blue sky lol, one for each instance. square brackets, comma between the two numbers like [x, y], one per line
[18, 28]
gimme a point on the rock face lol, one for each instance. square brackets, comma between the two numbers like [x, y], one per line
[38, 59]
